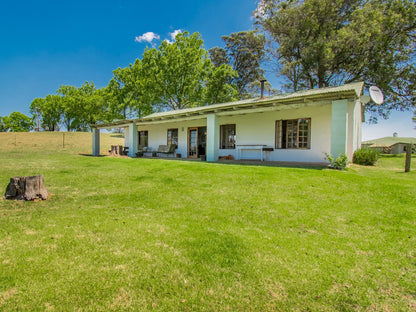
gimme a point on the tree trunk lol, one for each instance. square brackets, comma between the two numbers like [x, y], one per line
[26, 188]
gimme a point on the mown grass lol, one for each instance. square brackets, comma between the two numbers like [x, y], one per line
[120, 234]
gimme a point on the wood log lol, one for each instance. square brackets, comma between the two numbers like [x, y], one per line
[26, 188]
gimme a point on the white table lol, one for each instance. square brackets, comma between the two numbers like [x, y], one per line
[250, 147]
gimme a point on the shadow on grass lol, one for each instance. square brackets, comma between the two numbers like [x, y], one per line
[90, 155]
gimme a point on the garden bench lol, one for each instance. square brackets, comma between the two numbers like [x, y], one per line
[166, 149]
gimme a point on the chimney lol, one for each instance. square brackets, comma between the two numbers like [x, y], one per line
[262, 87]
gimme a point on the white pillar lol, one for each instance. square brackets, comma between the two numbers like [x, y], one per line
[339, 127]
[126, 136]
[95, 142]
[133, 138]
[213, 137]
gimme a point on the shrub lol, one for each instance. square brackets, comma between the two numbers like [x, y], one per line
[339, 163]
[365, 156]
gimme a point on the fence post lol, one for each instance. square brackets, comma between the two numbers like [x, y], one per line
[408, 157]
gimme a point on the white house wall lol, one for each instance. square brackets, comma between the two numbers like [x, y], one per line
[259, 128]
[158, 133]
[256, 128]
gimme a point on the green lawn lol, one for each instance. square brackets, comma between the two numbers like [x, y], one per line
[121, 234]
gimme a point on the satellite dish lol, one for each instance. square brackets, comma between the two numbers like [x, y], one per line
[376, 95]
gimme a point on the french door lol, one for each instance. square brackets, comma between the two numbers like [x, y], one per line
[192, 142]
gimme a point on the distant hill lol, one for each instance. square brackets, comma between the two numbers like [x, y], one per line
[389, 141]
[69, 142]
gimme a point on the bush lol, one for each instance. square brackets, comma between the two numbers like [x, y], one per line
[365, 156]
[339, 163]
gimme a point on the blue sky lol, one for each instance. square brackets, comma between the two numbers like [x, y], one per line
[45, 44]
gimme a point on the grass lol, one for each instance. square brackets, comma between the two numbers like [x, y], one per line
[121, 234]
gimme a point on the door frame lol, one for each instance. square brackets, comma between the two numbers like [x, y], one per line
[189, 141]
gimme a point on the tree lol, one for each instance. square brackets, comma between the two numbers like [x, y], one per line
[244, 51]
[70, 107]
[218, 56]
[219, 88]
[18, 122]
[322, 43]
[81, 106]
[48, 110]
[4, 121]
[176, 75]
[126, 91]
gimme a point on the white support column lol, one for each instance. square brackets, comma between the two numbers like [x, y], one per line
[126, 136]
[339, 127]
[133, 139]
[213, 137]
[95, 142]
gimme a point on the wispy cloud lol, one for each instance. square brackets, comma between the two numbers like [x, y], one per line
[173, 35]
[147, 37]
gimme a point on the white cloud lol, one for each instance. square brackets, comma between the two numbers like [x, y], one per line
[147, 37]
[174, 33]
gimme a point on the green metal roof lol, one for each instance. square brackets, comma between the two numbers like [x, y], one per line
[348, 91]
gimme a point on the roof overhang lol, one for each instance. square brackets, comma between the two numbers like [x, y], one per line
[314, 97]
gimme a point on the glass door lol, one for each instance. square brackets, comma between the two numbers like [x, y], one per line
[192, 142]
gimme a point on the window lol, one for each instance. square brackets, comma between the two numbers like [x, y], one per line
[227, 137]
[143, 139]
[294, 133]
[173, 137]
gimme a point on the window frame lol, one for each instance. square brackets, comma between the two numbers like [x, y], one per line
[221, 136]
[177, 137]
[282, 135]
[139, 138]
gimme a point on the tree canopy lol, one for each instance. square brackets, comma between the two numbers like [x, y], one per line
[321, 43]
[244, 51]
[180, 74]
[176, 75]
[74, 108]
[16, 122]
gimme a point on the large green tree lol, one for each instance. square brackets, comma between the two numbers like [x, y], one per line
[321, 43]
[177, 75]
[81, 106]
[17, 122]
[244, 51]
[47, 111]
[127, 92]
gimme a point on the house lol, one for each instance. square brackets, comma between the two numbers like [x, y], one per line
[390, 145]
[298, 127]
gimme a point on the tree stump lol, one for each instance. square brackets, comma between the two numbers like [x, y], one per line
[26, 188]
